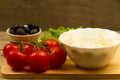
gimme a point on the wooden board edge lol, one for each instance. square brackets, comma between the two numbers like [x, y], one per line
[63, 76]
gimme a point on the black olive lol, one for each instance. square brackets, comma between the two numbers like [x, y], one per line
[12, 31]
[14, 27]
[36, 26]
[20, 31]
[30, 26]
[27, 29]
[33, 31]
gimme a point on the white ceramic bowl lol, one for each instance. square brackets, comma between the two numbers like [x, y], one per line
[24, 38]
[90, 48]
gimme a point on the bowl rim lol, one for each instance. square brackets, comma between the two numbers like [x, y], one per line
[90, 47]
[7, 31]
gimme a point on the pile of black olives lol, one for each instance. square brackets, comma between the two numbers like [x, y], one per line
[24, 29]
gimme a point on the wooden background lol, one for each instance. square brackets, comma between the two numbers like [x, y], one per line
[54, 13]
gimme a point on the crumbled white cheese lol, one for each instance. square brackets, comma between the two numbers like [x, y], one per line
[90, 38]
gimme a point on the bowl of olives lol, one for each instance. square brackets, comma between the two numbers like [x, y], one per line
[24, 33]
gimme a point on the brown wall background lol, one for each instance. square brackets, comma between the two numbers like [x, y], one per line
[54, 13]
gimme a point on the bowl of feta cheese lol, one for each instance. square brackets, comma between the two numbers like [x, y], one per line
[90, 48]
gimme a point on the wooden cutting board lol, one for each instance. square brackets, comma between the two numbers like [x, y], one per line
[69, 70]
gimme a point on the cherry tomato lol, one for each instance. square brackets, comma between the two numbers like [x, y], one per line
[38, 61]
[28, 49]
[57, 57]
[51, 43]
[16, 60]
[9, 47]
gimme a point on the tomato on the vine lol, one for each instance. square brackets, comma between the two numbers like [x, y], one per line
[38, 61]
[57, 57]
[56, 52]
[16, 59]
[51, 43]
[10, 47]
[28, 49]
[37, 58]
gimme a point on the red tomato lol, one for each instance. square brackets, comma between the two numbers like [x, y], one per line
[57, 57]
[38, 61]
[28, 49]
[9, 47]
[51, 43]
[16, 59]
